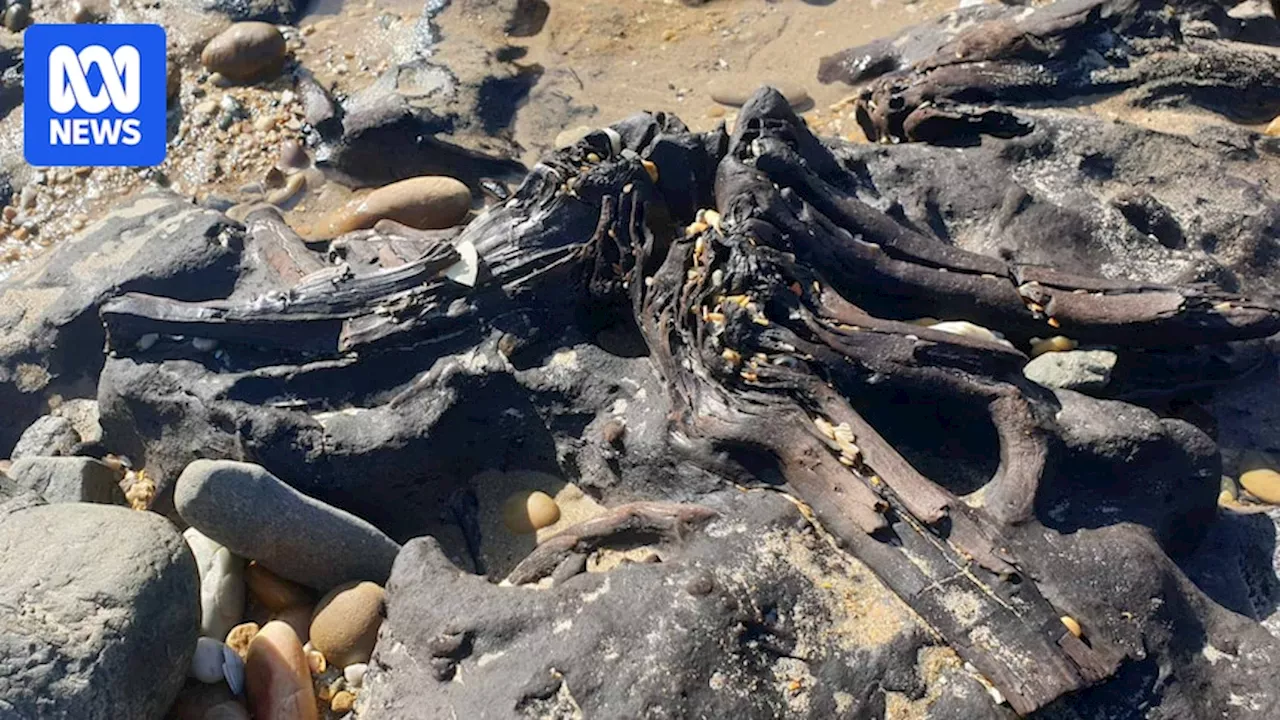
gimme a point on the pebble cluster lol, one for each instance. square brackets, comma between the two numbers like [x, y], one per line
[265, 638]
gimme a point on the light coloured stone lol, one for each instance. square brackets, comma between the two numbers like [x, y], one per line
[1079, 370]
[256, 515]
[222, 587]
[1263, 484]
[206, 663]
[526, 512]
[240, 637]
[354, 674]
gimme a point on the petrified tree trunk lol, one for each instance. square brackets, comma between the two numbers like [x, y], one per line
[769, 298]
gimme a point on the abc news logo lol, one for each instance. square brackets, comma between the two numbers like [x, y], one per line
[69, 89]
[94, 95]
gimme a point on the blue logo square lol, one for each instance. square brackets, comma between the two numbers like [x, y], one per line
[94, 95]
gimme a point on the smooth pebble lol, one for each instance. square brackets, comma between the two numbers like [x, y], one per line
[526, 512]
[354, 674]
[245, 52]
[299, 618]
[206, 663]
[430, 202]
[571, 136]
[272, 591]
[240, 637]
[276, 676]
[1263, 484]
[233, 670]
[342, 702]
[293, 156]
[736, 91]
[221, 584]
[346, 621]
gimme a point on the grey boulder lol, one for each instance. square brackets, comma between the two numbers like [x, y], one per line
[101, 613]
[68, 479]
[49, 436]
[256, 515]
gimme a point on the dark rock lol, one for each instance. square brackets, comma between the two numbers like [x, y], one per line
[257, 516]
[52, 338]
[10, 85]
[1125, 463]
[397, 129]
[633, 642]
[102, 613]
[279, 12]
[68, 479]
[50, 436]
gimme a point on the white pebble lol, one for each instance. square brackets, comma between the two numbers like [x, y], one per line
[206, 664]
[222, 587]
[354, 674]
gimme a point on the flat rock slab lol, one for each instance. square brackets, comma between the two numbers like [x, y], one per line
[257, 516]
[100, 613]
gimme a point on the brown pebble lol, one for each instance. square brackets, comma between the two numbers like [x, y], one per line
[735, 91]
[272, 591]
[342, 702]
[299, 618]
[293, 156]
[1273, 128]
[240, 637]
[525, 512]
[277, 680]
[316, 662]
[245, 52]
[346, 621]
[426, 203]
[613, 432]
[296, 183]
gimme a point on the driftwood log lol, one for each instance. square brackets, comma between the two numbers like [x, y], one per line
[769, 298]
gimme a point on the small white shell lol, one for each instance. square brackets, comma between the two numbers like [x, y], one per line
[467, 270]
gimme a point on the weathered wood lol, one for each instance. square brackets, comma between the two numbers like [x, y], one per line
[765, 318]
